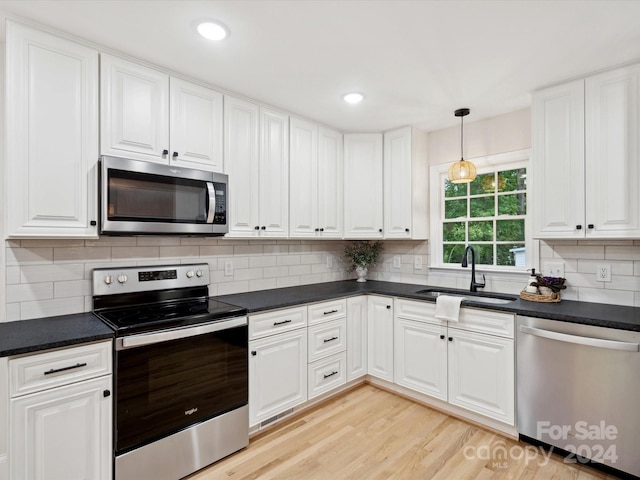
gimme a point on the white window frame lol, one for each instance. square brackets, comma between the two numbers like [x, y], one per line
[491, 163]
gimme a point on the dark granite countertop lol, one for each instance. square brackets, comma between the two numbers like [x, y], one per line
[28, 336]
[44, 333]
[598, 314]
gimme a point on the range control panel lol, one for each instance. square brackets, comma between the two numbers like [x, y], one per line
[110, 281]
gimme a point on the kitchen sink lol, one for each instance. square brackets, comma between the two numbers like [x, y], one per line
[476, 297]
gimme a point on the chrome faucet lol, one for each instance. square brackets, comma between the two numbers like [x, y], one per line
[474, 284]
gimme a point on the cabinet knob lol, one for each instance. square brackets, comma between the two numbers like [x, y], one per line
[93, 223]
[441, 337]
[106, 393]
[322, 229]
[263, 228]
[175, 154]
[451, 339]
[406, 230]
[380, 230]
[165, 152]
[317, 230]
[256, 227]
[591, 226]
[388, 307]
[578, 227]
[254, 353]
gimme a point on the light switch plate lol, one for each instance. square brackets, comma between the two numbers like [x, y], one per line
[397, 261]
[417, 263]
[553, 269]
[228, 268]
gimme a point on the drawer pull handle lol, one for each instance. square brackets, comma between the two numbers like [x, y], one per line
[330, 312]
[330, 339]
[330, 374]
[275, 324]
[56, 370]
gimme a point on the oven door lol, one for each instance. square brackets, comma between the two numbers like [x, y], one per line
[169, 380]
[147, 198]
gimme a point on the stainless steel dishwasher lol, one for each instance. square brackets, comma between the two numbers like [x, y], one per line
[578, 389]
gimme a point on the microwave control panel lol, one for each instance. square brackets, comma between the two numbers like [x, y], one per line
[220, 214]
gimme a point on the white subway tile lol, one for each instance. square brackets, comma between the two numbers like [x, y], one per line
[153, 241]
[275, 249]
[199, 241]
[623, 282]
[300, 270]
[216, 250]
[134, 253]
[601, 295]
[238, 262]
[72, 288]
[580, 252]
[52, 273]
[111, 242]
[299, 248]
[80, 254]
[288, 260]
[51, 243]
[27, 292]
[233, 287]
[248, 274]
[283, 282]
[51, 308]
[247, 250]
[13, 312]
[180, 251]
[29, 256]
[312, 278]
[262, 284]
[13, 275]
[262, 261]
[311, 259]
[269, 272]
[622, 253]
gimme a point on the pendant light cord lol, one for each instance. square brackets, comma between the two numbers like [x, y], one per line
[461, 137]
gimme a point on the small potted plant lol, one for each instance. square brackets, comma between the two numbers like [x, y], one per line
[360, 255]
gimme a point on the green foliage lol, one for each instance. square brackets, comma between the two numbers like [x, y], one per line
[362, 253]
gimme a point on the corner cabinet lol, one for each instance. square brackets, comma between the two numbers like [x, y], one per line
[363, 197]
[256, 152]
[149, 116]
[315, 183]
[52, 136]
[586, 152]
[406, 185]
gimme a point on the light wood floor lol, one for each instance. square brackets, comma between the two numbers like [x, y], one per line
[371, 434]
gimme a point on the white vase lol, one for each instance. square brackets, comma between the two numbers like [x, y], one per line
[362, 274]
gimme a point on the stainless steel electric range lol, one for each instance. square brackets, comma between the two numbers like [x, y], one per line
[181, 370]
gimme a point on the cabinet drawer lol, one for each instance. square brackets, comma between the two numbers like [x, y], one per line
[486, 321]
[40, 371]
[326, 374]
[418, 311]
[327, 338]
[276, 321]
[327, 311]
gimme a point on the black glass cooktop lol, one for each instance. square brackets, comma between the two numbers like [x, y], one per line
[157, 316]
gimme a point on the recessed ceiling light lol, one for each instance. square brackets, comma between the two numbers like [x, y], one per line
[212, 30]
[353, 97]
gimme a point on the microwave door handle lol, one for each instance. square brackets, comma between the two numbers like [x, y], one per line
[211, 203]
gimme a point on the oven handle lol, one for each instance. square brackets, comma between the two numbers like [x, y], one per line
[141, 340]
[212, 202]
[589, 341]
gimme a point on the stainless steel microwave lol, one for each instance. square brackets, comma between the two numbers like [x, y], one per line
[141, 198]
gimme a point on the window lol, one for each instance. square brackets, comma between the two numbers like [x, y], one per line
[489, 214]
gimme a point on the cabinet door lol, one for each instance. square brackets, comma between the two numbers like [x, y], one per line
[274, 174]
[242, 165]
[303, 196]
[558, 161]
[134, 116]
[380, 337]
[196, 126]
[612, 102]
[277, 374]
[397, 183]
[421, 357]
[356, 337]
[64, 432]
[363, 186]
[330, 184]
[481, 374]
[52, 135]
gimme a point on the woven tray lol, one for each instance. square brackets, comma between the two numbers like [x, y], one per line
[534, 297]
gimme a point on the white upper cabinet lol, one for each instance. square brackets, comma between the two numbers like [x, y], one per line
[585, 158]
[256, 152]
[405, 184]
[52, 135]
[363, 206]
[136, 122]
[315, 181]
[195, 126]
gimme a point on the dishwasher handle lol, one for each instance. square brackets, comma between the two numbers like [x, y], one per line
[591, 342]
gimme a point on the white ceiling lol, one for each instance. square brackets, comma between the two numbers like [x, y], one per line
[415, 60]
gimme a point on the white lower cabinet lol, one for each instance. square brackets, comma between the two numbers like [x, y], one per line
[481, 374]
[380, 337]
[277, 374]
[356, 337]
[60, 414]
[327, 374]
[460, 363]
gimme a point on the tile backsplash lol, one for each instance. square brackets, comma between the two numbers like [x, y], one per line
[53, 277]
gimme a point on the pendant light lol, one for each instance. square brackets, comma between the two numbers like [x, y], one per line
[462, 171]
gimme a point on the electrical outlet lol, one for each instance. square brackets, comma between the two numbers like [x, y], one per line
[228, 268]
[397, 261]
[553, 269]
[603, 272]
[329, 261]
[417, 263]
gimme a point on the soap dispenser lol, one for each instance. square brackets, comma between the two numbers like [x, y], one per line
[531, 286]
